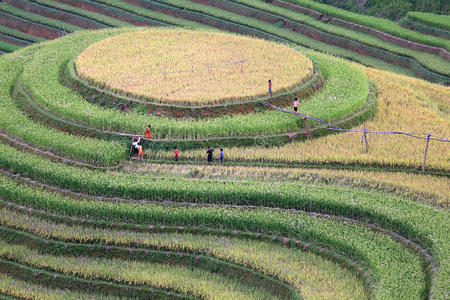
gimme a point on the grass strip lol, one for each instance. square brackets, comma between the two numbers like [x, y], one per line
[50, 278]
[19, 289]
[441, 21]
[21, 35]
[425, 188]
[38, 18]
[112, 22]
[154, 14]
[381, 24]
[424, 28]
[7, 47]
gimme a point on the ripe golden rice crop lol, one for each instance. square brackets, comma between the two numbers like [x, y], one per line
[158, 64]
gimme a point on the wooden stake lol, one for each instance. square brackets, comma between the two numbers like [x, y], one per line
[425, 155]
[131, 148]
[365, 137]
[362, 142]
[308, 134]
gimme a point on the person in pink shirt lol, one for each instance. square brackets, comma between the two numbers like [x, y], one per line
[270, 87]
[295, 104]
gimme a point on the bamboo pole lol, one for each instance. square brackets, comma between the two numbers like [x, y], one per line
[425, 155]
[308, 134]
[365, 137]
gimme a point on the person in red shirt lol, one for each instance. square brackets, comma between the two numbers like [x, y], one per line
[175, 157]
[147, 132]
[270, 87]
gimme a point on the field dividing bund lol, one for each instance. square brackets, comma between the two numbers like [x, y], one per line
[109, 16]
[12, 40]
[61, 15]
[425, 26]
[117, 20]
[378, 24]
[121, 9]
[59, 28]
[439, 21]
[110, 99]
[20, 35]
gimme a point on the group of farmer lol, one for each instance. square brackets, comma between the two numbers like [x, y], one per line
[137, 146]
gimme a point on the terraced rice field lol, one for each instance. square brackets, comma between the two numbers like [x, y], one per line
[184, 67]
[282, 217]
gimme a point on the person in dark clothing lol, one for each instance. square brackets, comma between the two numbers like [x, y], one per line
[209, 152]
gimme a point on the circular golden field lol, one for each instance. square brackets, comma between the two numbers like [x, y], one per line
[182, 66]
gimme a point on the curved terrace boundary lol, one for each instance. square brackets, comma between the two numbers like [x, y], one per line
[116, 99]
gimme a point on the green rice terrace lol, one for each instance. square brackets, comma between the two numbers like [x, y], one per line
[296, 151]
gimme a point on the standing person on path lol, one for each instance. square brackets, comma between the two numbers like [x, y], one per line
[295, 104]
[209, 152]
[221, 157]
[175, 157]
[135, 145]
[270, 87]
[148, 134]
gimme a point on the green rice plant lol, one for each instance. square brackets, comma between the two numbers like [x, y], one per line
[345, 91]
[424, 28]
[21, 35]
[83, 13]
[154, 14]
[15, 123]
[249, 277]
[379, 251]
[428, 189]
[385, 25]
[441, 21]
[413, 220]
[4, 7]
[7, 47]
[25, 290]
[315, 276]
[429, 60]
[178, 278]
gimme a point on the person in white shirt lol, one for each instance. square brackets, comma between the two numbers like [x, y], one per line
[295, 104]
